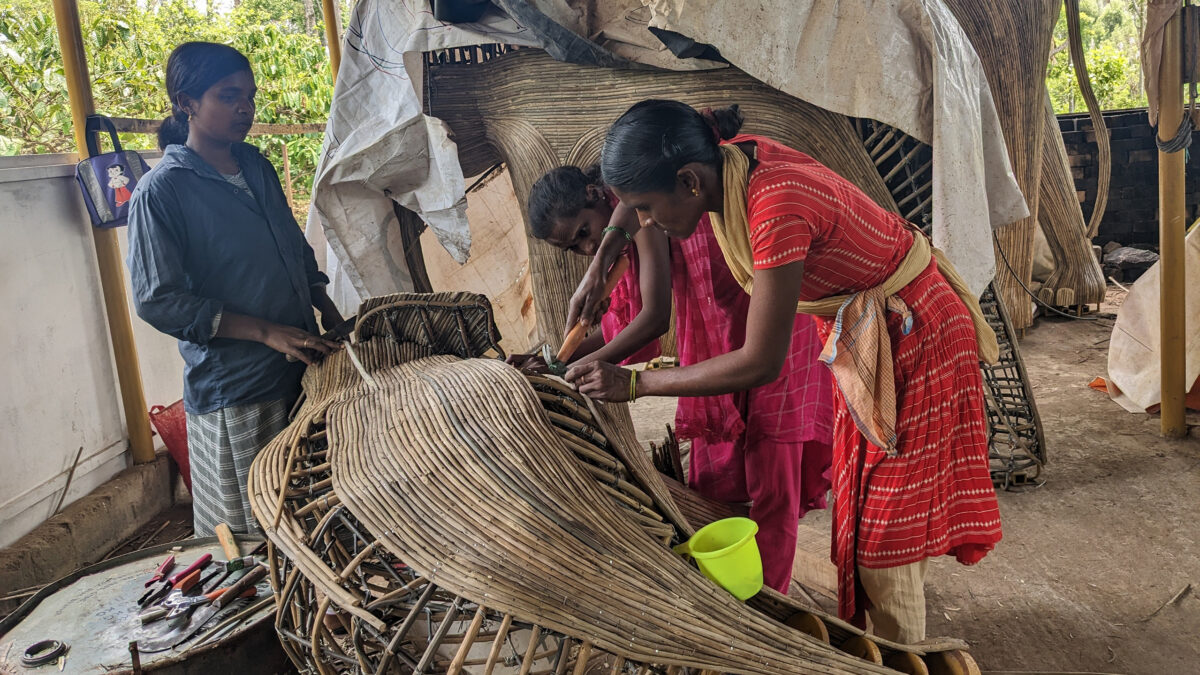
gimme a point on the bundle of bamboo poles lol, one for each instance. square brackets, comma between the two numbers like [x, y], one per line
[436, 513]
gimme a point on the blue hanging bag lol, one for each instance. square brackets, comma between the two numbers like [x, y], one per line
[108, 179]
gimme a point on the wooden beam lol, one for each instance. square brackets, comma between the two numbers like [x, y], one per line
[333, 35]
[108, 251]
[1172, 226]
[130, 125]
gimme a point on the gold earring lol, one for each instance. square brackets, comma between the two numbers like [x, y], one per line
[695, 192]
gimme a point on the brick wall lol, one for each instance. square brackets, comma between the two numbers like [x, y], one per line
[1132, 212]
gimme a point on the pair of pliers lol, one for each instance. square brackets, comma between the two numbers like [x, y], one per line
[160, 574]
[180, 607]
[174, 596]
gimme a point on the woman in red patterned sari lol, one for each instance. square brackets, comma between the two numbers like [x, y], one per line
[904, 342]
[770, 445]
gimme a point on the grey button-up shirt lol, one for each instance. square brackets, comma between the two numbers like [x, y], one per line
[200, 246]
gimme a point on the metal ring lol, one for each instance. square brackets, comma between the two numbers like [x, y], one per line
[41, 653]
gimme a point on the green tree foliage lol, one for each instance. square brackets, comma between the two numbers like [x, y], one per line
[127, 44]
[1111, 31]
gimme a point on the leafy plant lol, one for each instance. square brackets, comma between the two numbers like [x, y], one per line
[1111, 31]
[127, 43]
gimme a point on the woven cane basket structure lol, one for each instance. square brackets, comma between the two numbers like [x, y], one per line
[433, 510]
[1017, 446]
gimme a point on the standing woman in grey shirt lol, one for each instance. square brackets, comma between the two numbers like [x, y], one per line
[217, 260]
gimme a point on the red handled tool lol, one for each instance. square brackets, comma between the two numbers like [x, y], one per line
[163, 570]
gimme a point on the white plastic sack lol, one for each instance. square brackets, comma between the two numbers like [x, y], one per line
[1133, 351]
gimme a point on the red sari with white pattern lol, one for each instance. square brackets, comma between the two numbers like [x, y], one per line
[935, 496]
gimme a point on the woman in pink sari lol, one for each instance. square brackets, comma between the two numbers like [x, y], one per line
[771, 445]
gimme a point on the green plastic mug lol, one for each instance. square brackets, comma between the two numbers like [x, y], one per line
[727, 553]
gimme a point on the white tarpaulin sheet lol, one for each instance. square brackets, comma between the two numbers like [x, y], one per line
[380, 147]
[903, 62]
[1133, 351]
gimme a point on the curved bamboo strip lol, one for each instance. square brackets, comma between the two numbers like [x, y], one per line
[1103, 141]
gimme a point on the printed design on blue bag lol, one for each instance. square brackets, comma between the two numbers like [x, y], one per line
[119, 182]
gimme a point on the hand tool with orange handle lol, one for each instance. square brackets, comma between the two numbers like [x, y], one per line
[180, 606]
[175, 594]
[558, 364]
[173, 584]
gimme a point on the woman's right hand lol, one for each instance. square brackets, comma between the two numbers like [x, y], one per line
[297, 342]
[586, 302]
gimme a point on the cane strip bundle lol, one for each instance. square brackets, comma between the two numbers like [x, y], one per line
[1077, 278]
[1016, 73]
[461, 516]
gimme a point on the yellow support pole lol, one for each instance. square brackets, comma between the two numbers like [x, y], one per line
[333, 35]
[1172, 224]
[108, 252]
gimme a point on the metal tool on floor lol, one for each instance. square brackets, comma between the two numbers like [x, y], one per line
[173, 636]
[160, 574]
[180, 608]
[231, 617]
[177, 593]
[171, 582]
[228, 567]
[558, 363]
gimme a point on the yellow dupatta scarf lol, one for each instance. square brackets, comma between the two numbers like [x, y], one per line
[859, 349]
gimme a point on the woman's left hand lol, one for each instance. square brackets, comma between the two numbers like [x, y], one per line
[601, 381]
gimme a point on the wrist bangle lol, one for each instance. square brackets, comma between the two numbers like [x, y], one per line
[632, 385]
[614, 228]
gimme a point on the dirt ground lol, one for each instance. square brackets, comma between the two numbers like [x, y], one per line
[1088, 558]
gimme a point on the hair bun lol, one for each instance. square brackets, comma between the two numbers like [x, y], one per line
[726, 122]
[173, 131]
